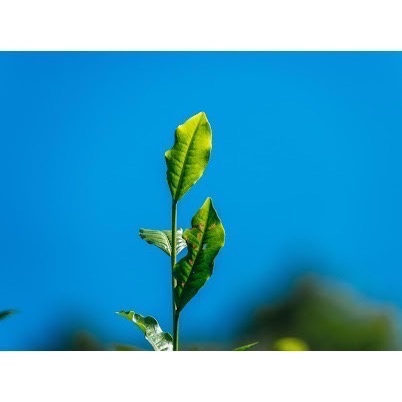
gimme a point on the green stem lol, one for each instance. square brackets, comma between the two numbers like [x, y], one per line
[176, 331]
[174, 310]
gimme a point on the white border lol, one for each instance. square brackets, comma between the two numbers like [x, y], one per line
[205, 25]
[200, 376]
[200, 25]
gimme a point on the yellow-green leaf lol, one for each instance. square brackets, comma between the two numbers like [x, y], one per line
[204, 240]
[189, 157]
[160, 341]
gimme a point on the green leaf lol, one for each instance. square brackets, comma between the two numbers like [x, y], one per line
[160, 341]
[204, 240]
[245, 347]
[189, 157]
[6, 313]
[163, 239]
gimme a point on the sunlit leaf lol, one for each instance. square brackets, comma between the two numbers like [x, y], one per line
[160, 341]
[245, 347]
[204, 240]
[163, 239]
[188, 158]
[6, 313]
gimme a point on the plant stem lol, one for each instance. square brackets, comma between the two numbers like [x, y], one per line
[174, 310]
[176, 331]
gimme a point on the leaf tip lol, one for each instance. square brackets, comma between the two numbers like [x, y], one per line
[208, 202]
[203, 119]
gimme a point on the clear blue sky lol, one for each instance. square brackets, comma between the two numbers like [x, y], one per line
[306, 166]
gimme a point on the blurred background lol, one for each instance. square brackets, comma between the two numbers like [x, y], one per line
[305, 174]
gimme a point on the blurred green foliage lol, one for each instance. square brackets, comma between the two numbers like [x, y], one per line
[81, 340]
[290, 345]
[324, 316]
[314, 314]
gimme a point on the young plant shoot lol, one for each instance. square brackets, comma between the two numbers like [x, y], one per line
[186, 163]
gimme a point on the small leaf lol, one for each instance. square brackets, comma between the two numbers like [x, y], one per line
[160, 341]
[204, 240]
[6, 313]
[189, 157]
[163, 239]
[245, 347]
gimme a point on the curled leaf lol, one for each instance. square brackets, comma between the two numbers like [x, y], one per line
[160, 341]
[204, 240]
[189, 157]
[163, 239]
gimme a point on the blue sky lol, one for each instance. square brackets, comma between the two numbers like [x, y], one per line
[305, 168]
